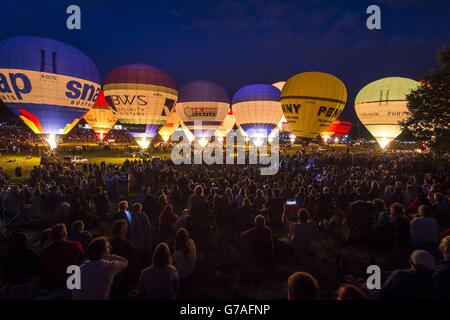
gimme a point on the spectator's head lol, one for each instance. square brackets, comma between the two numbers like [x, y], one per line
[98, 248]
[137, 207]
[59, 232]
[65, 208]
[198, 191]
[260, 221]
[99, 190]
[438, 197]
[379, 205]
[302, 286]
[422, 261]
[18, 241]
[425, 211]
[351, 292]
[303, 216]
[120, 229]
[397, 210]
[161, 256]
[45, 236]
[168, 209]
[181, 239]
[77, 227]
[444, 248]
[123, 205]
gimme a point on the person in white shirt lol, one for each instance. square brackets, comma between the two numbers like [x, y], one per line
[424, 229]
[99, 271]
[185, 256]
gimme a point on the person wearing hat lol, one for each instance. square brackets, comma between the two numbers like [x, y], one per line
[413, 283]
[442, 272]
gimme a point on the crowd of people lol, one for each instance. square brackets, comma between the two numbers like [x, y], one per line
[143, 229]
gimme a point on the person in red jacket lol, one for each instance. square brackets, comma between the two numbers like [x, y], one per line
[57, 257]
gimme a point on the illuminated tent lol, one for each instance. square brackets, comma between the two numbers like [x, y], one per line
[142, 97]
[202, 107]
[257, 109]
[50, 85]
[101, 117]
[382, 104]
[171, 125]
[311, 101]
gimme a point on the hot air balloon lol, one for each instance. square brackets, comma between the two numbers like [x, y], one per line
[173, 122]
[311, 101]
[226, 126]
[50, 85]
[101, 117]
[257, 110]
[142, 97]
[382, 104]
[279, 85]
[202, 103]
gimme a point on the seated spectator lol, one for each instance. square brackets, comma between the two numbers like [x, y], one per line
[167, 219]
[399, 227]
[79, 234]
[19, 269]
[57, 257]
[120, 246]
[159, 281]
[442, 272]
[98, 272]
[414, 283]
[258, 241]
[441, 209]
[302, 286]
[301, 232]
[424, 230]
[351, 292]
[185, 256]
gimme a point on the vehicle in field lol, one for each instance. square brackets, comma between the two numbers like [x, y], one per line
[75, 160]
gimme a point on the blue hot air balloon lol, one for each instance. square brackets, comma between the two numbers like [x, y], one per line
[50, 85]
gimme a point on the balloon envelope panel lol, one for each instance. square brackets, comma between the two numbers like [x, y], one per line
[202, 103]
[171, 125]
[142, 97]
[311, 101]
[50, 85]
[257, 109]
[382, 105]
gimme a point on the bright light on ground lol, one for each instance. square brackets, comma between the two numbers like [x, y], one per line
[383, 142]
[258, 142]
[51, 140]
[165, 137]
[220, 139]
[292, 138]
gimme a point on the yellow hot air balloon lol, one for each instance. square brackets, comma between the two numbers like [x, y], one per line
[171, 125]
[382, 104]
[100, 117]
[311, 101]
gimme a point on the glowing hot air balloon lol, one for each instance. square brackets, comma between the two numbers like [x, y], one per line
[205, 103]
[311, 101]
[226, 126]
[50, 85]
[101, 117]
[257, 110]
[382, 104]
[171, 125]
[142, 97]
[279, 85]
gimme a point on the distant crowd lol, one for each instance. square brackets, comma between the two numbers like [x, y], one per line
[155, 230]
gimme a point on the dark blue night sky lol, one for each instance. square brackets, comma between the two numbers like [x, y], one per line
[248, 41]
